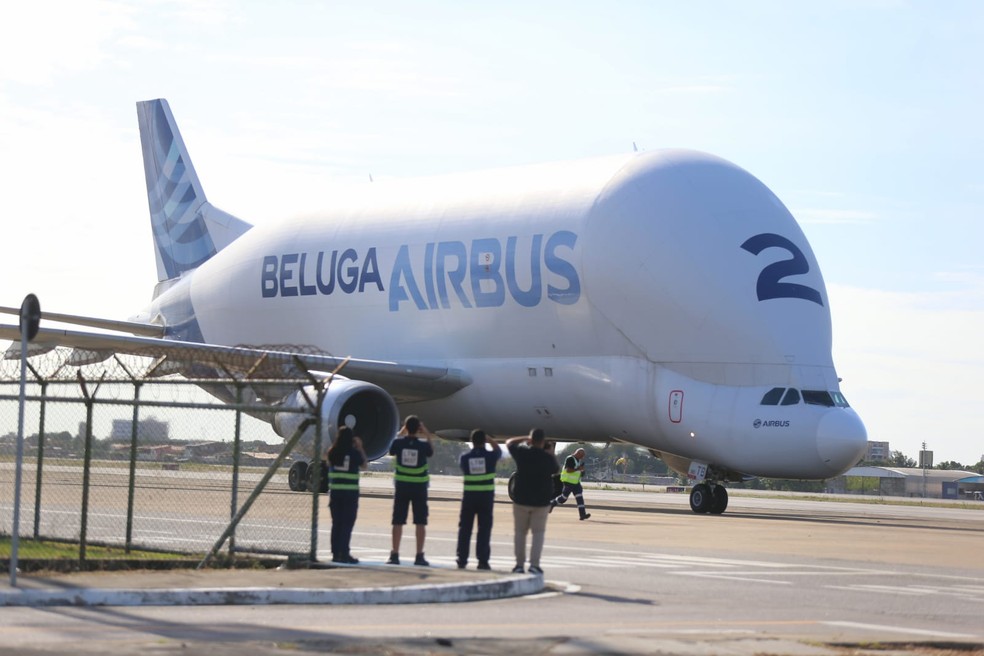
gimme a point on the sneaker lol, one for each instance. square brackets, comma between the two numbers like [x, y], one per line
[585, 516]
[553, 504]
[420, 560]
[518, 569]
[535, 569]
[484, 566]
[394, 558]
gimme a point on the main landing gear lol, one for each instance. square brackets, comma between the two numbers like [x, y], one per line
[300, 477]
[708, 497]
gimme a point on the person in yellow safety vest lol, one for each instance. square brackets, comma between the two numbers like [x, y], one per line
[478, 466]
[345, 458]
[411, 450]
[570, 476]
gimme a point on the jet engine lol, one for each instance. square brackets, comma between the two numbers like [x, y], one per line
[366, 408]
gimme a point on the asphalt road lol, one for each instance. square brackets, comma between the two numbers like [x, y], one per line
[773, 575]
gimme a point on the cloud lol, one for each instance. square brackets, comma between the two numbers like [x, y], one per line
[970, 278]
[202, 12]
[39, 41]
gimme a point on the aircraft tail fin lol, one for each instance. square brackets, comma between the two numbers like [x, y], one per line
[188, 230]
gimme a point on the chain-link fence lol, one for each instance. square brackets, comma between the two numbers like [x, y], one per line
[121, 457]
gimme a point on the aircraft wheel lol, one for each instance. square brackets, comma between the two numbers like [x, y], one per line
[720, 495]
[511, 487]
[701, 498]
[297, 476]
[309, 479]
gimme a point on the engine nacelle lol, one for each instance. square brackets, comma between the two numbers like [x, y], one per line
[366, 408]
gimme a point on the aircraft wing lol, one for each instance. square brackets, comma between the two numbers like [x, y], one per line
[148, 329]
[404, 382]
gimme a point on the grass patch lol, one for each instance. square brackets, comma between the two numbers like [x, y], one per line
[51, 549]
[53, 555]
[35, 556]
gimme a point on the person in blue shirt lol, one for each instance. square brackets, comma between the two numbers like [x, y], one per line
[411, 450]
[478, 466]
[346, 457]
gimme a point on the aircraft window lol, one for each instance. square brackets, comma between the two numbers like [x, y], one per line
[792, 397]
[818, 397]
[772, 396]
[839, 400]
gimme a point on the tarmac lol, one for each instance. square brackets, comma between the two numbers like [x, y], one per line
[328, 585]
[370, 584]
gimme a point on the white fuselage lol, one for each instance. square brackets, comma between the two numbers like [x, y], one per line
[651, 298]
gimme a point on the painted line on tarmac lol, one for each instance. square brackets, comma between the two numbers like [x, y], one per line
[707, 630]
[730, 577]
[900, 629]
[561, 588]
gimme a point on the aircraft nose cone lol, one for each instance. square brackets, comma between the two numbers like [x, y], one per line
[841, 440]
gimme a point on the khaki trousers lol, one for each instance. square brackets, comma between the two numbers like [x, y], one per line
[526, 519]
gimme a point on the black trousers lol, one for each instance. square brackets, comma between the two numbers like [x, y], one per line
[344, 506]
[475, 505]
[578, 491]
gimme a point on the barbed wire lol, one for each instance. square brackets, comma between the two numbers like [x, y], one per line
[241, 362]
[174, 444]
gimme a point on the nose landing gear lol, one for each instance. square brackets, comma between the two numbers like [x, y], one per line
[709, 497]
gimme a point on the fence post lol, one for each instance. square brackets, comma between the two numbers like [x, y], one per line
[39, 475]
[87, 461]
[316, 471]
[132, 483]
[236, 446]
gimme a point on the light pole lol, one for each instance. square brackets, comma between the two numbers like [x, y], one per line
[30, 318]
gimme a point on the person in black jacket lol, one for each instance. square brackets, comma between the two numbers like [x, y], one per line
[534, 489]
[346, 458]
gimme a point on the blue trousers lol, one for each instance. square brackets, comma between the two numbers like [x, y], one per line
[344, 506]
[578, 496]
[475, 505]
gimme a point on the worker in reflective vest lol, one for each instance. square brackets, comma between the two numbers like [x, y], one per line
[478, 466]
[411, 450]
[570, 476]
[346, 458]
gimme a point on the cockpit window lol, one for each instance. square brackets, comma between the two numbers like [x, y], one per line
[825, 398]
[773, 395]
[818, 397]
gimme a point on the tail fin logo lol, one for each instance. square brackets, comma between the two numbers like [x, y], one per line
[175, 195]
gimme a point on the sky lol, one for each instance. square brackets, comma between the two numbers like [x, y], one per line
[866, 117]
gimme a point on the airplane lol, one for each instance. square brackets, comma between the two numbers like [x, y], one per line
[666, 299]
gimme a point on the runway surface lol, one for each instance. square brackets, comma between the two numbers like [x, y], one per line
[772, 575]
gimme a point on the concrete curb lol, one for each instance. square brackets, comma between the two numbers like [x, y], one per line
[511, 586]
